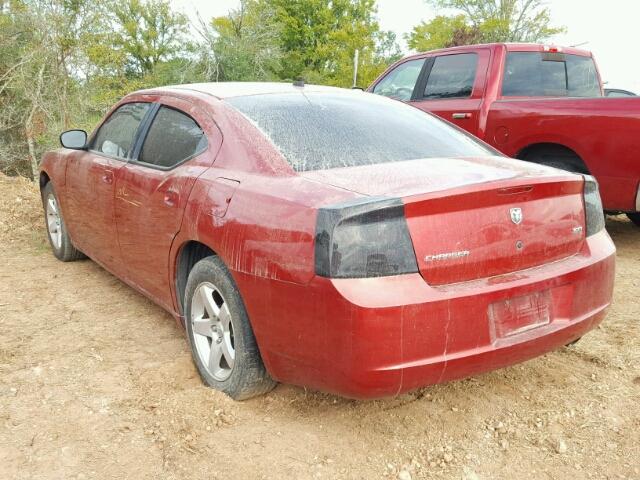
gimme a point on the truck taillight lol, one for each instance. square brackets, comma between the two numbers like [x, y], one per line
[364, 238]
[552, 49]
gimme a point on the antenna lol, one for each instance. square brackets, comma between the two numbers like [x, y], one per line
[579, 44]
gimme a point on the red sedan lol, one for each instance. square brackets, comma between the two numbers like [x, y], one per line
[329, 238]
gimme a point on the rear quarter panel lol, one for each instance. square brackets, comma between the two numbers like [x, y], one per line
[266, 239]
[604, 132]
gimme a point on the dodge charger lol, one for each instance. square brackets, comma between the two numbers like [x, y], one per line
[329, 238]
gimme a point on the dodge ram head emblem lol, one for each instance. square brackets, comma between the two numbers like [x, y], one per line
[516, 215]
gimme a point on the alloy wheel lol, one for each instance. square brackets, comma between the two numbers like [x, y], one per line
[212, 328]
[54, 222]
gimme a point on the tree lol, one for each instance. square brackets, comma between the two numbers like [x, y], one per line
[479, 21]
[63, 63]
[318, 39]
[289, 39]
[148, 32]
[442, 32]
[40, 56]
[242, 45]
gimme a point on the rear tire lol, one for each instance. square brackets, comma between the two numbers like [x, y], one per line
[559, 158]
[57, 233]
[222, 343]
[635, 218]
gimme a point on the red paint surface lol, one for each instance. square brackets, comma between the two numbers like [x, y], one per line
[362, 338]
[603, 132]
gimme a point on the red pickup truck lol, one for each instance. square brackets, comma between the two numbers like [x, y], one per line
[542, 104]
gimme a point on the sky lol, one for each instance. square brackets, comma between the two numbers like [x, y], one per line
[611, 32]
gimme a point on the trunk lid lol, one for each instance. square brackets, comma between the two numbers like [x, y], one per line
[476, 218]
[495, 228]
[412, 177]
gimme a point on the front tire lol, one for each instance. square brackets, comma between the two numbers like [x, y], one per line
[222, 343]
[635, 218]
[57, 233]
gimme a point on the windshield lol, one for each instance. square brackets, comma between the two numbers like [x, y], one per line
[318, 131]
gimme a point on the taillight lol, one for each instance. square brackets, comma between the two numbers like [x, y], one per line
[364, 238]
[594, 214]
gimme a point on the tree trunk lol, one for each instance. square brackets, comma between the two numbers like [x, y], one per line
[28, 125]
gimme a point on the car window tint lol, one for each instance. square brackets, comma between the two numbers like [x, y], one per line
[117, 134]
[535, 74]
[172, 138]
[452, 76]
[316, 131]
[399, 83]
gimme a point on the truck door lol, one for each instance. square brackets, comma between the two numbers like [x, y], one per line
[451, 86]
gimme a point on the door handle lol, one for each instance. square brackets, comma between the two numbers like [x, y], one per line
[107, 177]
[171, 198]
[461, 115]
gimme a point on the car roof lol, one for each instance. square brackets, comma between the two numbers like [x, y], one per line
[224, 90]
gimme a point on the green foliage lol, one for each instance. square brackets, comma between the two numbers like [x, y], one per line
[319, 38]
[242, 45]
[290, 39]
[441, 32]
[484, 21]
[63, 63]
[148, 32]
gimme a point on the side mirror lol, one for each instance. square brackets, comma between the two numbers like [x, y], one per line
[74, 139]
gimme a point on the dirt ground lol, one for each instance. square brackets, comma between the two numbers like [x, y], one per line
[96, 382]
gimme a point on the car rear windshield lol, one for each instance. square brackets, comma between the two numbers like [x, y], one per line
[538, 74]
[318, 131]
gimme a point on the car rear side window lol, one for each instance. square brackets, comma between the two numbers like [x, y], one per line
[538, 74]
[116, 136]
[317, 131]
[173, 138]
[452, 76]
[400, 82]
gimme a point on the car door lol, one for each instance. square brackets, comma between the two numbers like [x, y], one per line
[153, 188]
[452, 86]
[90, 183]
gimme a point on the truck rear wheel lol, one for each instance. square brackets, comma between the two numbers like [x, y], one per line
[635, 218]
[557, 157]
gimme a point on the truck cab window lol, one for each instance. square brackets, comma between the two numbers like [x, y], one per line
[535, 74]
[452, 76]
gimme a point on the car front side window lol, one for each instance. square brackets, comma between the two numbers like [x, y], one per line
[116, 137]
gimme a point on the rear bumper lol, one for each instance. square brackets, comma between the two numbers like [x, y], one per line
[370, 338]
